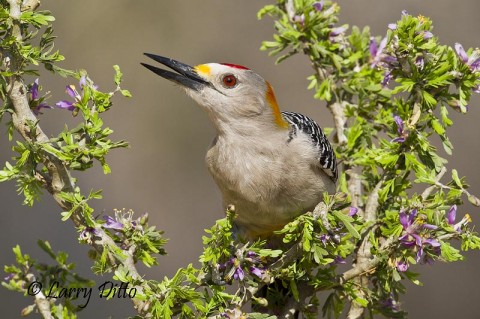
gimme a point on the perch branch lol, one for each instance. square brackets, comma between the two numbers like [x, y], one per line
[364, 255]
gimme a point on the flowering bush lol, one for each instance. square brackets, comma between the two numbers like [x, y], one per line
[389, 96]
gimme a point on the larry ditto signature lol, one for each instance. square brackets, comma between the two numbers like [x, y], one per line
[106, 290]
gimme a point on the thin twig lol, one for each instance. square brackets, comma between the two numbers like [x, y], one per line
[430, 189]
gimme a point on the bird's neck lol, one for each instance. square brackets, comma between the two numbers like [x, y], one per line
[251, 126]
[248, 129]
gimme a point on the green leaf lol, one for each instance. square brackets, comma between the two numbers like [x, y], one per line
[474, 200]
[353, 134]
[444, 113]
[437, 127]
[66, 215]
[126, 93]
[428, 99]
[362, 302]
[456, 179]
[118, 75]
[346, 220]
[45, 246]
[294, 290]
[450, 253]
[396, 276]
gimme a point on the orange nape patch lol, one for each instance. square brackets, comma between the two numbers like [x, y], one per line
[272, 101]
[202, 69]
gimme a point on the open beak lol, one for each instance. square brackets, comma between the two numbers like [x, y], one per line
[186, 76]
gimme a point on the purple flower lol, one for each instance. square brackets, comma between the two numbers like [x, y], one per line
[66, 105]
[392, 26]
[429, 226]
[257, 272]
[73, 93]
[390, 303]
[324, 238]
[318, 5]
[300, 19]
[451, 216]
[336, 34]
[387, 77]
[472, 61]
[461, 52]
[338, 260]
[334, 236]
[402, 134]
[353, 211]
[251, 254]
[233, 314]
[398, 120]
[112, 223]
[402, 266]
[420, 62]
[235, 270]
[374, 50]
[87, 233]
[427, 35]
[411, 237]
[337, 31]
[239, 274]
[379, 57]
[36, 103]
[34, 90]
[9, 277]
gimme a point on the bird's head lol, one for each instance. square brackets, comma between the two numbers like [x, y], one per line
[229, 93]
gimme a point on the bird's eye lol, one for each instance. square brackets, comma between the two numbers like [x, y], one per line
[229, 81]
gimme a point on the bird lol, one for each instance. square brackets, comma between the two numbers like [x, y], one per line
[272, 166]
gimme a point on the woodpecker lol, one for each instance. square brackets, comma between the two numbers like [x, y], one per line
[271, 165]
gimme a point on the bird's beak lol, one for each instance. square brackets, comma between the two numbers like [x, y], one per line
[186, 76]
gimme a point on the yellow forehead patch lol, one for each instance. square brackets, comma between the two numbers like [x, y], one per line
[202, 69]
[272, 101]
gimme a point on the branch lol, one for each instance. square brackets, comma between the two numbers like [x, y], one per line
[372, 202]
[289, 257]
[42, 303]
[430, 189]
[30, 5]
[340, 120]
[355, 189]
[366, 267]
[59, 178]
[364, 255]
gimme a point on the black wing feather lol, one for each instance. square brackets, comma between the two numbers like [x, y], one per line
[304, 124]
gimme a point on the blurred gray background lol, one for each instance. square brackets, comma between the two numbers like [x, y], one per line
[163, 172]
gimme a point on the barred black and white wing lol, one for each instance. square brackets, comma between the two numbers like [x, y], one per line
[304, 124]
